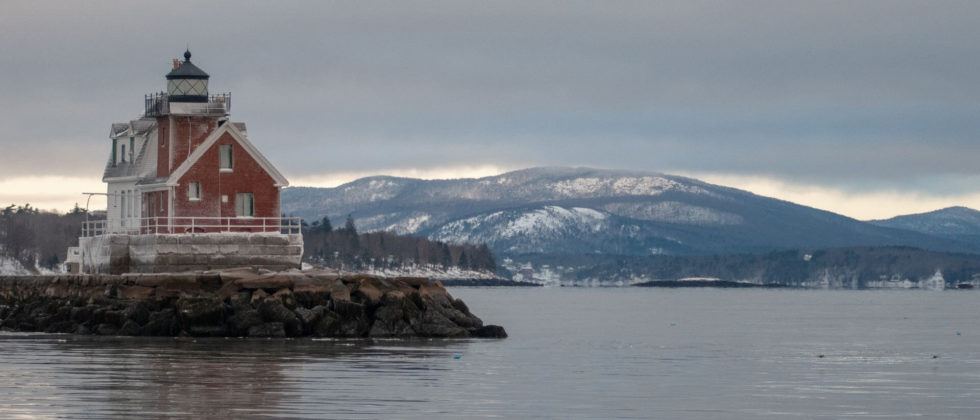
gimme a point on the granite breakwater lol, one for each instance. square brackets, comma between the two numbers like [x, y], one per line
[237, 303]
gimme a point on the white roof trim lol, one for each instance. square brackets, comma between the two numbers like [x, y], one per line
[229, 128]
[152, 187]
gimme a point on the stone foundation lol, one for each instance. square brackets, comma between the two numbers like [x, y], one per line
[237, 303]
[167, 253]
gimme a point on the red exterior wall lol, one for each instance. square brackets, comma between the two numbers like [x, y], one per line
[163, 146]
[247, 176]
[188, 133]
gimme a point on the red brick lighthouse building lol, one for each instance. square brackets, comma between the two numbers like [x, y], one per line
[185, 173]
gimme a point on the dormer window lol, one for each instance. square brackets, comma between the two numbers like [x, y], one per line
[226, 159]
[123, 154]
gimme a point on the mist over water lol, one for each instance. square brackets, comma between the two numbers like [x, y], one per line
[572, 353]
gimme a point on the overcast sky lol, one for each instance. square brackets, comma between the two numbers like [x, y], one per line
[867, 108]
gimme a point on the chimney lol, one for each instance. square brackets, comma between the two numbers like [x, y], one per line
[176, 63]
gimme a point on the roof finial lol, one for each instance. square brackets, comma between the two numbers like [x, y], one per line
[187, 55]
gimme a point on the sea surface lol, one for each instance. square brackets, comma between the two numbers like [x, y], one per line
[572, 353]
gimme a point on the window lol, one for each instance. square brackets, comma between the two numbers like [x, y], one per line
[132, 148]
[123, 154]
[113, 152]
[194, 191]
[226, 161]
[129, 208]
[122, 200]
[244, 205]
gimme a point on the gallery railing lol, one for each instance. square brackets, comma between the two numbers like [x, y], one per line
[186, 225]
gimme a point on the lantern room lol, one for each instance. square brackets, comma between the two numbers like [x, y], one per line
[186, 82]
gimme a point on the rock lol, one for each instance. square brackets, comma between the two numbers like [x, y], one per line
[307, 317]
[241, 300]
[346, 308]
[229, 290]
[130, 327]
[61, 327]
[390, 318]
[237, 302]
[327, 325]
[134, 292]
[258, 296]
[81, 314]
[114, 318]
[106, 329]
[435, 324]
[489, 331]
[285, 296]
[311, 295]
[200, 311]
[368, 292]
[243, 320]
[339, 291]
[268, 281]
[207, 331]
[162, 323]
[413, 282]
[268, 329]
[137, 312]
[274, 311]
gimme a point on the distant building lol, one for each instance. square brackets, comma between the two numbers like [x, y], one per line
[184, 168]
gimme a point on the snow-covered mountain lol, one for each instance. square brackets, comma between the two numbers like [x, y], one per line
[952, 222]
[591, 211]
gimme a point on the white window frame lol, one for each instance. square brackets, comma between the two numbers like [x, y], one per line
[226, 165]
[245, 205]
[194, 191]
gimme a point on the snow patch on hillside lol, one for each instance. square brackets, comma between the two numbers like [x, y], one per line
[524, 230]
[553, 218]
[410, 225]
[673, 212]
[619, 186]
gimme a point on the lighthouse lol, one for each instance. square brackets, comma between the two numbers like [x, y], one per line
[185, 173]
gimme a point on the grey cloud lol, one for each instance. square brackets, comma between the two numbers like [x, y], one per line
[844, 93]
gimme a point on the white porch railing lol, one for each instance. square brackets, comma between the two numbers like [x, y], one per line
[177, 225]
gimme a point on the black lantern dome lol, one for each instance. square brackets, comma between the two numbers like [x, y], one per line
[187, 82]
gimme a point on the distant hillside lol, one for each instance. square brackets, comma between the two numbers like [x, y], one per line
[857, 268]
[961, 223]
[574, 211]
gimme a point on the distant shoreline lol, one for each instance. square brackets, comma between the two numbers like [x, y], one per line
[725, 284]
[486, 282]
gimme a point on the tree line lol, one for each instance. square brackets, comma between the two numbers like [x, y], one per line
[37, 238]
[346, 248]
[859, 265]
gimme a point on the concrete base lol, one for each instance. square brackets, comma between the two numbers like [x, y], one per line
[162, 253]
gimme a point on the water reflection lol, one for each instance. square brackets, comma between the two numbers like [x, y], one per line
[201, 378]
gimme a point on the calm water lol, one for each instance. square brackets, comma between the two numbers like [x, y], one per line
[572, 353]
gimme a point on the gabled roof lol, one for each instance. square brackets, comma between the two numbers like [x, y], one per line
[118, 129]
[141, 128]
[236, 134]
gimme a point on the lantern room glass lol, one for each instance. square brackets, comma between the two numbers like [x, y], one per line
[187, 87]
